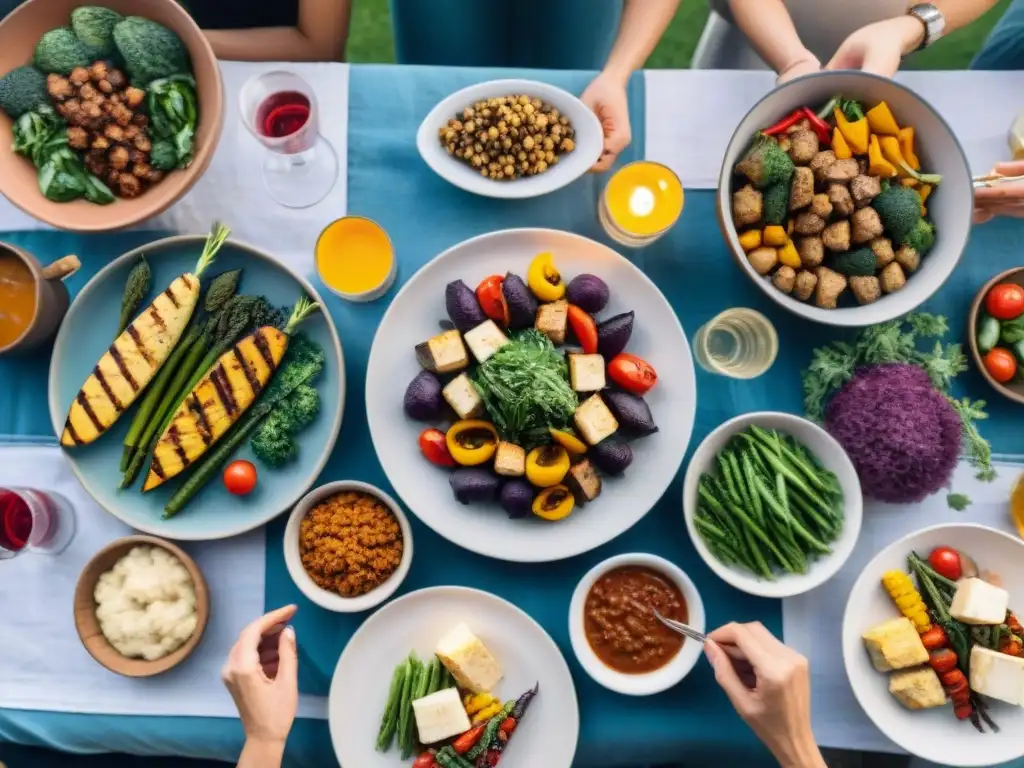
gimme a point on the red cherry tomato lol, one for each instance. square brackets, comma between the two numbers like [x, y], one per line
[584, 328]
[631, 373]
[963, 711]
[492, 300]
[1000, 364]
[935, 638]
[1005, 301]
[435, 448]
[240, 477]
[946, 562]
[426, 760]
[942, 660]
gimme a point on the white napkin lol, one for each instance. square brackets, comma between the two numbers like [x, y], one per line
[691, 114]
[44, 665]
[812, 623]
[232, 188]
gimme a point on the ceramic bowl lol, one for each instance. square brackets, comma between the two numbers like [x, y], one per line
[89, 628]
[326, 599]
[949, 207]
[19, 33]
[650, 682]
[832, 457]
[589, 140]
[1013, 390]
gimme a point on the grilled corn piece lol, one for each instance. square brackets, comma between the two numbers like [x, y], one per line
[487, 713]
[902, 591]
[475, 702]
[216, 403]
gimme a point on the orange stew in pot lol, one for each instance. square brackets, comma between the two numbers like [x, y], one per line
[619, 620]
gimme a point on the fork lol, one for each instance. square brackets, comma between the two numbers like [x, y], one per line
[681, 628]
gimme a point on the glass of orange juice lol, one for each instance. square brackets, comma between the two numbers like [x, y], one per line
[355, 258]
[641, 202]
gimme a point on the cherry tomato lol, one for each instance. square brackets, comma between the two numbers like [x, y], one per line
[435, 448]
[1000, 364]
[963, 711]
[631, 373]
[584, 328]
[935, 638]
[492, 300]
[946, 562]
[426, 760]
[953, 678]
[942, 660]
[508, 725]
[240, 477]
[1005, 301]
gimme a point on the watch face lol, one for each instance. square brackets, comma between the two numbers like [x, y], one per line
[933, 20]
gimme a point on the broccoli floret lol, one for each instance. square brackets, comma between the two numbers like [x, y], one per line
[22, 90]
[273, 443]
[94, 26]
[162, 156]
[900, 209]
[59, 51]
[859, 263]
[922, 237]
[776, 203]
[766, 163]
[303, 406]
[149, 50]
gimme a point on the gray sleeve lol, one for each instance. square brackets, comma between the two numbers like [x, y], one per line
[721, 7]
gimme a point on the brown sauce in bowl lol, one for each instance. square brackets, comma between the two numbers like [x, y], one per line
[619, 620]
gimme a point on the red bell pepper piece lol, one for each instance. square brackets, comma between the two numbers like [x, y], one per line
[466, 741]
[787, 122]
[584, 328]
[823, 129]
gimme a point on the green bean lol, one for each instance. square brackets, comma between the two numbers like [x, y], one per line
[726, 471]
[748, 473]
[389, 720]
[405, 704]
[418, 692]
[759, 559]
[762, 536]
[781, 466]
[825, 525]
[741, 486]
[722, 513]
[785, 452]
[798, 529]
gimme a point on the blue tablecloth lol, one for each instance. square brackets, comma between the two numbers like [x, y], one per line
[424, 215]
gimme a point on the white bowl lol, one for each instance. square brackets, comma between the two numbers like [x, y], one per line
[933, 734]
[326, 599]
[589, 140]
[832, 457]
[650, 682]
[950, 206]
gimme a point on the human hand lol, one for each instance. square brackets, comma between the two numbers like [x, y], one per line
[261, 674]
[1003, 199]
[769, 685]
[606, 97]
[879, 47]
[803, 65]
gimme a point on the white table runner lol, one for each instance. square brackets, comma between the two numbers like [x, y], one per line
[691, 114]
[44, 665]
[812, 623]
[232, 188]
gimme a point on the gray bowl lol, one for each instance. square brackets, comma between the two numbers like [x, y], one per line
[950, 206]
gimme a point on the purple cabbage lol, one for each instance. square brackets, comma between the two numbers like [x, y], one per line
[901, 433]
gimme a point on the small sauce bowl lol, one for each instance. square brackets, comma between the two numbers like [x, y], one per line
[645, 683]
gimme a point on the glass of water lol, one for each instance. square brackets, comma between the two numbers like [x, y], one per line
[739, 343]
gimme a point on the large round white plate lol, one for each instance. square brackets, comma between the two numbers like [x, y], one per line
[657, 337]
[932, 734]
[527, 654]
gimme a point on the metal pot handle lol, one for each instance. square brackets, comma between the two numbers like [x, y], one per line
[62, 268]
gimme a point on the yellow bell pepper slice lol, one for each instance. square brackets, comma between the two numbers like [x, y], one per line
[909, 181]
[544, 279]
[856, 133]
[840, 147]
[547, 466]
[891, 151]
[789, 255]
[906, 138]
[555, 503]
[881, 120]
[774, 236]
[471, 442]
[877, 164]
[924, 190]
[568, 440]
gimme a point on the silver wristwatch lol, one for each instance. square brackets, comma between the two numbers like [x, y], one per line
[933, 20]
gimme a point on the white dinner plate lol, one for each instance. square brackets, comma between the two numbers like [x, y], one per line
[932, 734]
[485, 528]
[550, 729]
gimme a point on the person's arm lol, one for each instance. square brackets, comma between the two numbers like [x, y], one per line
[770, 30]
[261, 754]
[320, 35]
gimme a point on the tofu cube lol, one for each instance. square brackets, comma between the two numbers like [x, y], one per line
[469, 661]
[895, 645]
[586, 372]
[485, 340]
[997, 675]
[978, 602]
[440, 716]
[552, 320]
[444, 353]
[918, 688]
[462, 396]
[584, 481]
[510, 460]
[594, 421]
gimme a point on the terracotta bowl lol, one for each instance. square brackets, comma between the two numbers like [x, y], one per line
[19, 33]
[1014, 390]
[89, 628]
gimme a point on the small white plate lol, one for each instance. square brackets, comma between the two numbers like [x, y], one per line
[933, 734]
[589, 140]
[650, 682]
[829, 453]
[332, 601]
[527, 654]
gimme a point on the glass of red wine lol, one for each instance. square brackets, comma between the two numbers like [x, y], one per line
[280, 110]
[34, 521]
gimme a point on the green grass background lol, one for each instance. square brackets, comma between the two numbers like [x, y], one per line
[370, 37]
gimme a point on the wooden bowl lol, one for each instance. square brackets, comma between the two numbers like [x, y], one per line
[1014, 390]
[19, 33]
[89, 627]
